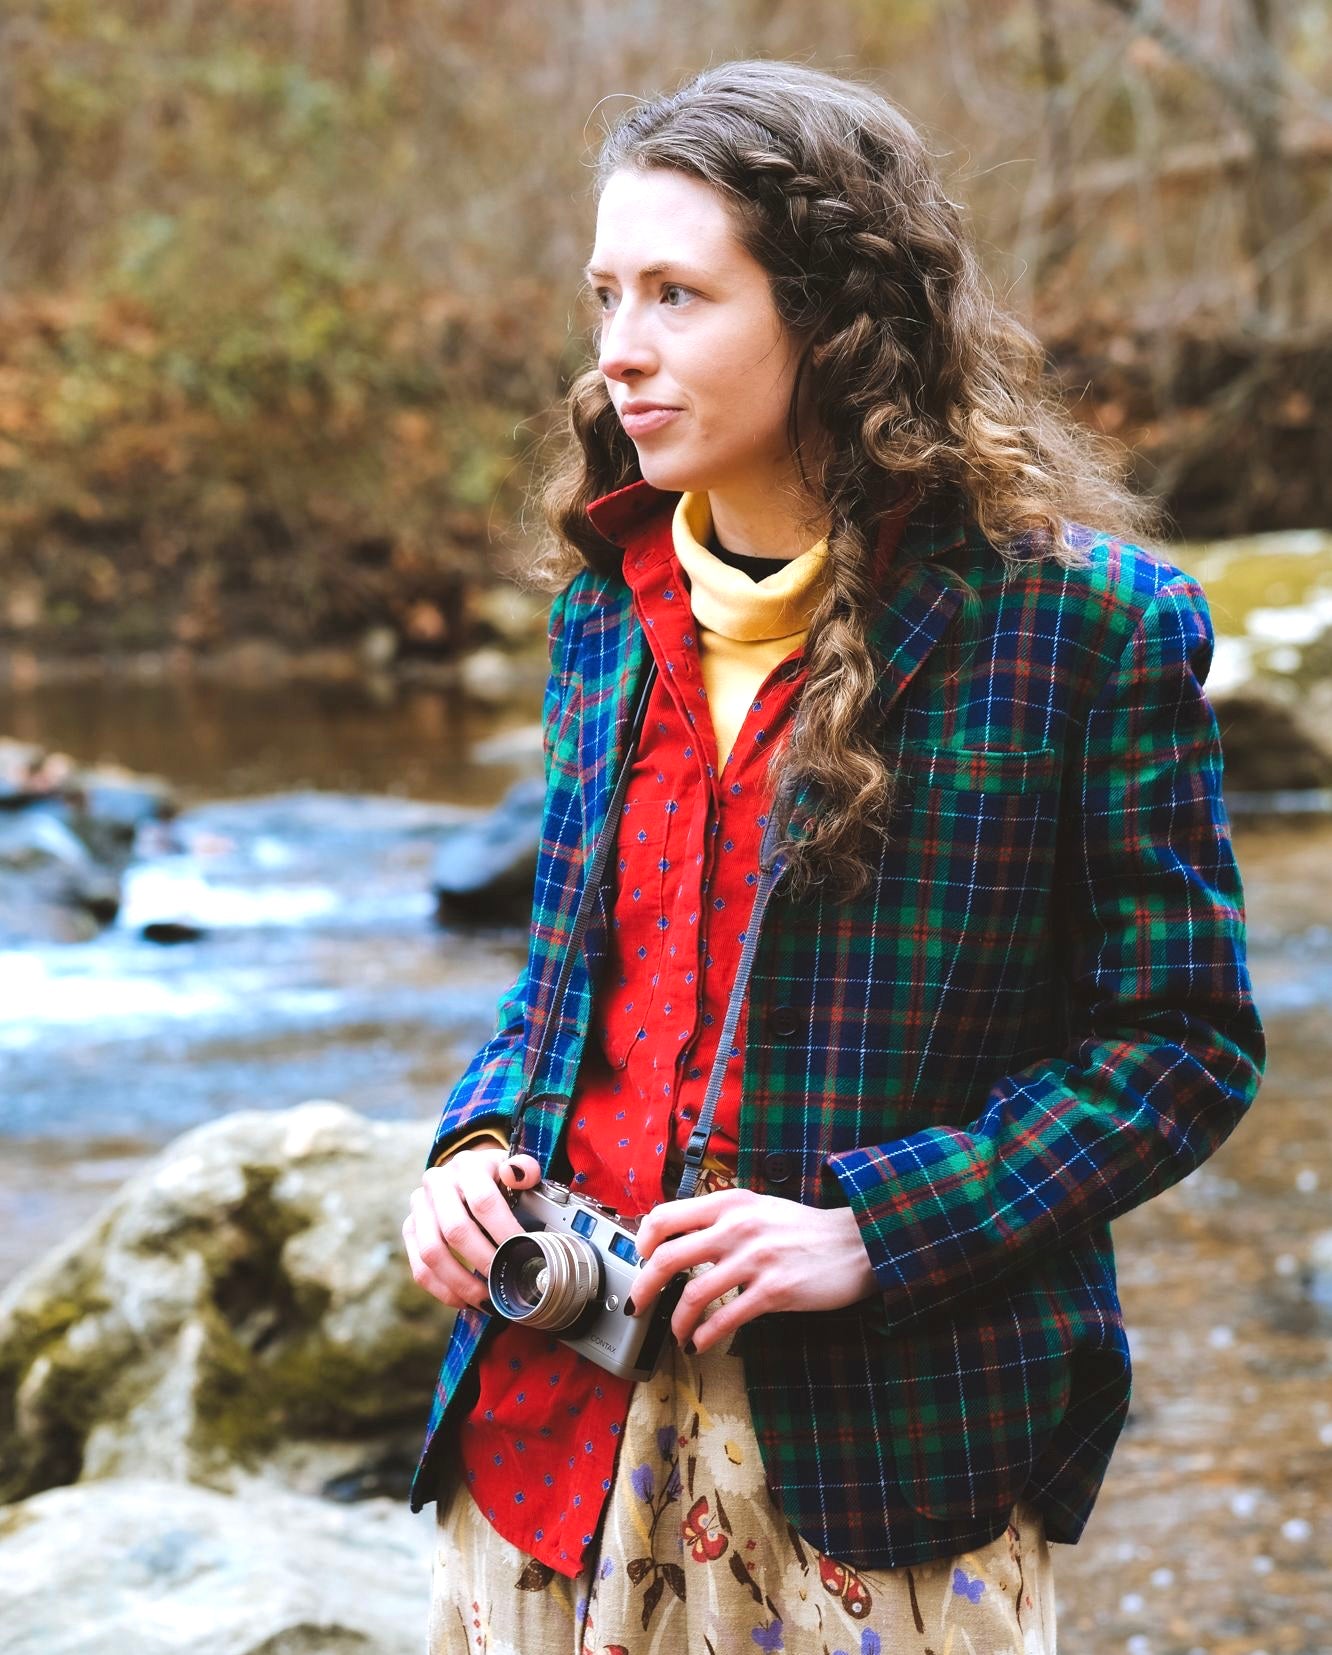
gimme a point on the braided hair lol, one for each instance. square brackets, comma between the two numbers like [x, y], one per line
[923, 390]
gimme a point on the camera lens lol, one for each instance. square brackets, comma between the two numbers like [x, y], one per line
[544, 1279]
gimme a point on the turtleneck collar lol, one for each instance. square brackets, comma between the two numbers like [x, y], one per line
[725, 600]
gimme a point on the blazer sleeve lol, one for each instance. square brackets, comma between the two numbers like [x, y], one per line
[481, 1103]
[1165, 1050]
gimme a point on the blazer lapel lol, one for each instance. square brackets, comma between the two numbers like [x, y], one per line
[913, 621]
[615, 656]
[618, 654]
[925, 596]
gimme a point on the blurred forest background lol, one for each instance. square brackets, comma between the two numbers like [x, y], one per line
[288, 291]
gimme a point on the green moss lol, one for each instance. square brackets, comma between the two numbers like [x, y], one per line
[32, 1333]
[267, 1369]
[235, 1411]
[71, 1394]
[1289, 572]
[245, 1405]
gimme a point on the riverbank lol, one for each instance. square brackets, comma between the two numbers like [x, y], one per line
[502, 657]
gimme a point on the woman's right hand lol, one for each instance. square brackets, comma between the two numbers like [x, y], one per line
[458, 1217]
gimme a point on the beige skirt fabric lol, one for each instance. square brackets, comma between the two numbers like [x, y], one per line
[694, 1557]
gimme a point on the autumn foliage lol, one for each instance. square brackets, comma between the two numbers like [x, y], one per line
[288, 290]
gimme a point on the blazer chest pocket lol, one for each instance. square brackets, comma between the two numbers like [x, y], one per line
[988, 770]
[973, 865]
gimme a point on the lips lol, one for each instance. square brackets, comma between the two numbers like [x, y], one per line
[649, 420]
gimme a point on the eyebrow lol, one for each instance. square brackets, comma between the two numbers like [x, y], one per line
[649, 270]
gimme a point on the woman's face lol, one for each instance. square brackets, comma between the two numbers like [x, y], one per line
[689, 324]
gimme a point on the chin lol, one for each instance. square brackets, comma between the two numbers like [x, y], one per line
[672, 475]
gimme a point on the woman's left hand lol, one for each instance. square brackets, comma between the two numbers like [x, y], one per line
[784, 1255]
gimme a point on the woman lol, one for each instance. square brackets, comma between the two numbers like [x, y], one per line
[912, 687]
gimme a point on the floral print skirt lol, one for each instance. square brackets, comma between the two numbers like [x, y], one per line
[694, 1557]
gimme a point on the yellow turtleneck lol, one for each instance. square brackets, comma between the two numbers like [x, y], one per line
[745, 627]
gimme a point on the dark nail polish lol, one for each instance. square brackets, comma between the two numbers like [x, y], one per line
[629, 1307]
[689, 1348]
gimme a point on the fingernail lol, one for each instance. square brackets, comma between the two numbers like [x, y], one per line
[519, 1174]
[629, 1307]
[690, 1349]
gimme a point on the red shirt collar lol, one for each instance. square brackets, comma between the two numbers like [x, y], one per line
[618, 516]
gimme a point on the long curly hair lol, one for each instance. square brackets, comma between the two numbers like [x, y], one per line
[922, 386]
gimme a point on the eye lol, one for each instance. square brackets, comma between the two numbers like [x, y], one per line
[674, 295]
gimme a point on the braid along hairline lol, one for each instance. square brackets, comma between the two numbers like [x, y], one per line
[923, 382]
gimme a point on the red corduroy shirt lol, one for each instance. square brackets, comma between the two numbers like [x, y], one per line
[538, 1447]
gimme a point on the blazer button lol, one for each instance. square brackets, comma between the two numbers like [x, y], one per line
[784, 1021]
[776, 1168]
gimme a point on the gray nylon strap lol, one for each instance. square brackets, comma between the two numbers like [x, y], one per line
[769, 873]
[770, 870]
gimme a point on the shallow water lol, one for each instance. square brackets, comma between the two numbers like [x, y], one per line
[320, 972]
[213, 740]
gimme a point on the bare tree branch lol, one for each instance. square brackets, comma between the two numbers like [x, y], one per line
[1187, 165]
[1253, 98]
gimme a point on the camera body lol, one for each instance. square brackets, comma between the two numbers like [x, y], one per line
[570, 1274]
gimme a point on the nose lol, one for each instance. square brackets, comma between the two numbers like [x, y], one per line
[624, 350]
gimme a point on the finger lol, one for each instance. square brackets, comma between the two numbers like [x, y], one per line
[486, 1199]
[670, 1218]
[701, 1292]
[676, 1254]
[445, 1280]
[450, 1200]
[471, 1207]
[433, 1266]
[723, 1320]
[451, 1273]
[521, 1172]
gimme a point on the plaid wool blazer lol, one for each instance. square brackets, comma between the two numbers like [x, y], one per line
[1038, 1016]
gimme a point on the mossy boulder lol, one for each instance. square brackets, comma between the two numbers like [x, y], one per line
[1270, 597]
[241, 1306]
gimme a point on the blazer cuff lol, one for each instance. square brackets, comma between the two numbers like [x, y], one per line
[469, 1140]
[864, 1180]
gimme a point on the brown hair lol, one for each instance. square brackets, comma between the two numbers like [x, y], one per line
[919, 380]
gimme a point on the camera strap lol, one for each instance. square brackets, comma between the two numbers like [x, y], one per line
[770, 871]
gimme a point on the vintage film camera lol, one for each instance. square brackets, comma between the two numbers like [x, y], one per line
[570, 1274]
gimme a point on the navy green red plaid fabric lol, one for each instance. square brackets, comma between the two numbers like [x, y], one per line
[1037, 1017]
